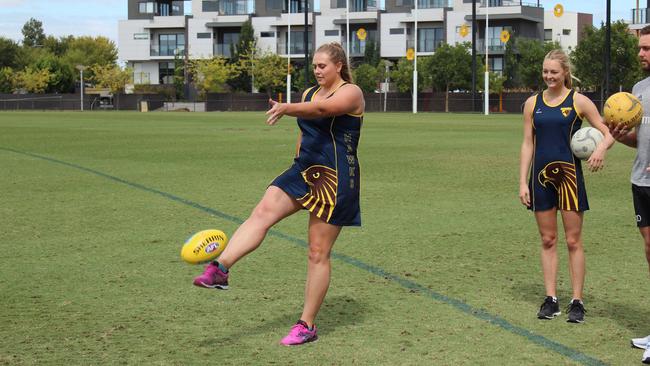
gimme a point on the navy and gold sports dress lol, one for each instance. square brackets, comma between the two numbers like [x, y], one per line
[324, 177]
[556, 178]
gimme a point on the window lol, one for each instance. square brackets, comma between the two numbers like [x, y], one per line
[396, 31]
[566, 32]
[164, 9]
[429, 39]
[203, 35]
[171, 44]
[496, 64]
[147, 7]
[331, 32]
[297, 42]
[140, 35]
[494, 38]
[267, 34]
[548, 34]
[166, 72]
[210, 5]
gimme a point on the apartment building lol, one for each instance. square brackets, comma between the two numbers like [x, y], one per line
[640, 18]
[159, 31]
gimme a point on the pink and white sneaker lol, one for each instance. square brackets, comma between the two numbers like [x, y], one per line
[212, 277]
[300, 334]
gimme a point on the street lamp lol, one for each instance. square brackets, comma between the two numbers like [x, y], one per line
[81, 69]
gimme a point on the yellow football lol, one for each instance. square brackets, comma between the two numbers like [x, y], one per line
[204, 246]
[623, 109]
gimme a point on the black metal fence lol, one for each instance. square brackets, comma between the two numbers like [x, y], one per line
[375, 102]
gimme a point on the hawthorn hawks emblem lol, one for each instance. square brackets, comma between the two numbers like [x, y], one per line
[322, 184]
[562, 176]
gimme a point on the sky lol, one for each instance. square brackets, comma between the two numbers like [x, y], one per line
[100, 17]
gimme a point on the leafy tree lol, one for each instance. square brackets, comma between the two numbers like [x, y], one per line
[179, 76]
[624, 64]
[211, 75]
[33, 34]
[402, 75]
[111, 77]
[242, 52]
[450, 67]
[57, 46]
[371, 54]
[9, 52]
[32, 80]
[6, 80]
[90, 51]
[531, 57]
[270, 73]
[62, 75]
[510, 65]
[298, 77]
[366, 77]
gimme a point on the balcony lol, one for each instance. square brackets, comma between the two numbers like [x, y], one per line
[425, 45]
[222, 50]
[640, 16]
[494, 3]
[229, 7]
[433, 4]
[494, 46]
[295, 49]
[156, 50]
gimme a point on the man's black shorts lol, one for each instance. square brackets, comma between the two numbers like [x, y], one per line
[641, 198]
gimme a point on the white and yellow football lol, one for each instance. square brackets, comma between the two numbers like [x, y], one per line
[204, 246]
[623, 109]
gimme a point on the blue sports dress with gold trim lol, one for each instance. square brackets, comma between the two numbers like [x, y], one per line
[556, 178]
[324, 177]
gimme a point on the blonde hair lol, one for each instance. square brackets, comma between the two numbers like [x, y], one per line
[337, 54]
[561, 57]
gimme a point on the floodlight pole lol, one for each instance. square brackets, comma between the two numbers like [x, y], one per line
[288, 51]
[347, 31]
[486, 89]
[415, 61]
[81, 69]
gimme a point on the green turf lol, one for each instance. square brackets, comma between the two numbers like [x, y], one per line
[90, 235]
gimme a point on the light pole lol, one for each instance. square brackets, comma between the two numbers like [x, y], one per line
[415, 59]
[81, 69]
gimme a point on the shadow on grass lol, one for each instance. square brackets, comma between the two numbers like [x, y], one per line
[335, 311]
[632, 317]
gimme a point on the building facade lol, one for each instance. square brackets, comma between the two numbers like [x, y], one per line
[158, 33]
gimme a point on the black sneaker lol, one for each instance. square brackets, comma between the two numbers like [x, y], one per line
[549, 309]
[576, 311]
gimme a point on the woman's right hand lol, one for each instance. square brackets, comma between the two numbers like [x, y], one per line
[524, 194]
[618, 131]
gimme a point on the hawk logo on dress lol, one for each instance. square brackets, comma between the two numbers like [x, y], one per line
[566, 111]
[321, 198]
[562, 176]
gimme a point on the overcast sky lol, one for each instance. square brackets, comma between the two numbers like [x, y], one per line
[100, 17]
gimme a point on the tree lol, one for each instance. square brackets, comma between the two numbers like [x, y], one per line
[32, 80]
[90, 51]
[371, 54]
[6, 80]
[624, 64]
[9, 53]
[62, 75]
[242, 51]
[298, 77]
[531, 57]
[111, 77]
[210, 76]
[270, 73]
[57, 46]
[33, 34]
[366, 77]
[450, 67]
[402, 75]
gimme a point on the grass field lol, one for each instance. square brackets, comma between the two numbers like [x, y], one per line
[94, 208]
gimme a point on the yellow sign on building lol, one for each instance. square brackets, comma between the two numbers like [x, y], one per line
[361, 34]
[558, 10]
[464, 30]
[505, 36]
[410, 54]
